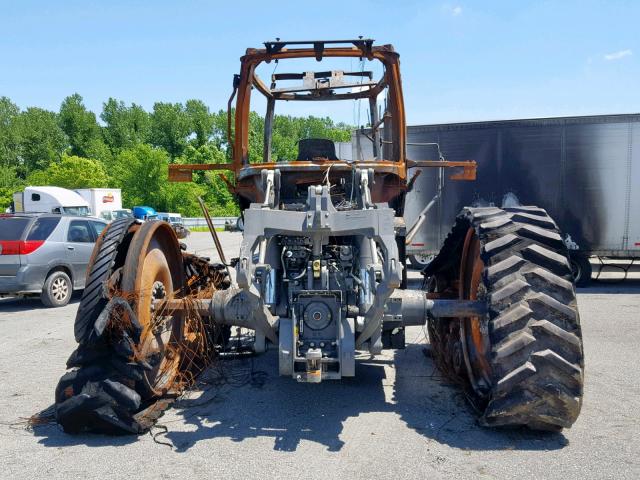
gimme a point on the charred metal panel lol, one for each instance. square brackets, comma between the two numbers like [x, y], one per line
[584, 170]
[633, 186]
[531, 157]
[596, 176]
[479, 144]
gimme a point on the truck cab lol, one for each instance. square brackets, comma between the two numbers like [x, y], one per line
[142, 212]
[50, 200]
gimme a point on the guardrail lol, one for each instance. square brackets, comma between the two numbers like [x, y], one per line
[218, 222]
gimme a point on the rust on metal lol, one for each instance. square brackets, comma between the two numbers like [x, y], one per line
[212, 230]
[154, 269]
[390, 172]
[184, 172]
[475, 344]
[469, 167]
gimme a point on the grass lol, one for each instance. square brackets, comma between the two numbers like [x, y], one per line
[205, 229]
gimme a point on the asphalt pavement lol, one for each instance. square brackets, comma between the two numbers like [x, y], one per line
[396, 419]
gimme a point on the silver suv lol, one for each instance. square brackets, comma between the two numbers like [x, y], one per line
[45, 254]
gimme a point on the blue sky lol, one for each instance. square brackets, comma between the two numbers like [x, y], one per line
[461, 60]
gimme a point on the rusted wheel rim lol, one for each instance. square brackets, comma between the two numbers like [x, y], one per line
[151, 274]
[474, 335]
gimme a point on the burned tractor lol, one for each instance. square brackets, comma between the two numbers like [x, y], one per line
[321, 271]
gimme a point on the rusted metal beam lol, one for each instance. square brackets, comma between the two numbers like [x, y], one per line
[202, 306]
[262, 88]
[469, 167]
[184, 172]
[214, 234]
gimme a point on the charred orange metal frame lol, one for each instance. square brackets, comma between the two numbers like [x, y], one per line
[475, 346]
[393, 169]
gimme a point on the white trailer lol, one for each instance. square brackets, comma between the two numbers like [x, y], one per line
[104, 203]
[49, 200]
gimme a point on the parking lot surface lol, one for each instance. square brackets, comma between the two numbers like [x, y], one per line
[396, 419]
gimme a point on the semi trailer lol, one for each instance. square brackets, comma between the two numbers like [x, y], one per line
[582, 170]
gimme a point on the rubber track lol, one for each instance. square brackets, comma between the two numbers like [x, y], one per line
[93, 297]
[533, 323]
[105, 390]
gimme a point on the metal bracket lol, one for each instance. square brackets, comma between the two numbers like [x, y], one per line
[469, 167]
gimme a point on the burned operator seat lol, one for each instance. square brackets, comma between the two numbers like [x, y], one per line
[313, 148]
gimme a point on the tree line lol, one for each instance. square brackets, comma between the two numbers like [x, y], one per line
[131, 148]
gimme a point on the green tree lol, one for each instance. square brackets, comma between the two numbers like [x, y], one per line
[256, 138]
[82, 129]
[201, 121]
[72, 172]
[183, 198]
[288, 130]
[42, 141]
[9, 136]
[10, 180]
[142, 173]
[139, 172]
[219, 133]
[124, 126]
[170, 127]
[215, 194]
[32, 145]
[9, 183]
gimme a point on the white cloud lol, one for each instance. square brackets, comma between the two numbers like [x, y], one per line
[454, 10]
[618, 55]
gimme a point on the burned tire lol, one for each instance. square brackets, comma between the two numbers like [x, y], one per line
[108, 254]
[132, 359]
[523, 361]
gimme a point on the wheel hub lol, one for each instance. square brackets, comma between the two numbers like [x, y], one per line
[59, 289]
[158, 292]
[150, 277]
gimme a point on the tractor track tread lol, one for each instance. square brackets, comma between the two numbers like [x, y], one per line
[539, 273]
[539, 234]
[507, 266]
[103, 262]
[500, 244]
[512, 319]
[553, 308]
[545, 327]
[495, 223]
[525, 209]
[107, 389]
[507, 292]
[99, 393]
[513, 344]
[536, 220]
[93, 300]
[544, 256]
[537, 356]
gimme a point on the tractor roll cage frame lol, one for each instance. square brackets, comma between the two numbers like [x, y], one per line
[391, 163]
[278, 50]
